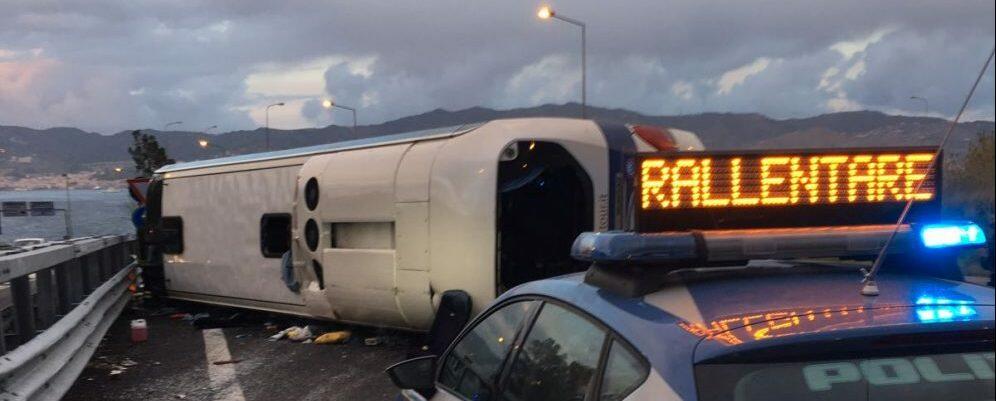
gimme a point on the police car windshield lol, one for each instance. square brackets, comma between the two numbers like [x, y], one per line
[961, 376]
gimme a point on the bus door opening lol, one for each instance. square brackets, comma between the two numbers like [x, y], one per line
[545, 200]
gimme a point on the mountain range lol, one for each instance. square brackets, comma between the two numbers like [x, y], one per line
[26, 151]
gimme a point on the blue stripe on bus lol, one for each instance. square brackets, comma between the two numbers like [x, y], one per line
[621, 148]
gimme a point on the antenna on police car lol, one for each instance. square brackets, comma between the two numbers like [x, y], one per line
[870, 288]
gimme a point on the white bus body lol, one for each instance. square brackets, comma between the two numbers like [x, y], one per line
[398, 219]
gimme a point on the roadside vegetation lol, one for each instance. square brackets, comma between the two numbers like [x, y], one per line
[970, 182]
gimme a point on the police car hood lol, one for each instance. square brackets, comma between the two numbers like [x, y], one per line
[749, 312]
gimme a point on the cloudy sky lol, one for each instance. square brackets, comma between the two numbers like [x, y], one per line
[110, 65]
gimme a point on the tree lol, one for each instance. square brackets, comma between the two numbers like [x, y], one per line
[148, 155]
[969, 182]
[969, 190]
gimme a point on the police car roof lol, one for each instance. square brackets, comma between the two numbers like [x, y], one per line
[669, 323]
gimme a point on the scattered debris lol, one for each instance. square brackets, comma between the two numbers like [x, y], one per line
[181, 396]
[193, 318]
[181, 316]
[300, 334]
[283, 333]
[238, 319]
[373, 341]
[128, 363]
[335, 337]
[115, 373]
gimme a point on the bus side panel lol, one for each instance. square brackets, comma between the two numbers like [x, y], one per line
[312, 286]
[221, 215]
[411, 198]
[414, 295]
[356, 213]
[362, 285]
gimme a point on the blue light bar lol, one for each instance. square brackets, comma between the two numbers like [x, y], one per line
[618, 246]
[939, 309]
[702, 248]
[952, 234]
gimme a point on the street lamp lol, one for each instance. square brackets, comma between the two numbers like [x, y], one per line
[329, 104]
[545, 13]
[926, 105]
[166, 127]
[268, 122]
[204, 144]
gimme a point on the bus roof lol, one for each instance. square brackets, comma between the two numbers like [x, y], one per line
[432, 133]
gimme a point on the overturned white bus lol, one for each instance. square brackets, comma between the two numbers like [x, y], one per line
[378, 228]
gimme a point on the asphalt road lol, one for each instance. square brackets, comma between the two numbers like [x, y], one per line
[178, 362]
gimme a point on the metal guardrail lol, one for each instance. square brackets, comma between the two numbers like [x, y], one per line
[62, 299]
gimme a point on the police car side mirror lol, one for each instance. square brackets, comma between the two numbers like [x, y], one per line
[414, 374]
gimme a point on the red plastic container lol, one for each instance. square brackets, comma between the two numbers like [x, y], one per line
[139, 331]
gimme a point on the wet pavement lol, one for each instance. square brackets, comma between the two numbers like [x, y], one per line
[179, 361]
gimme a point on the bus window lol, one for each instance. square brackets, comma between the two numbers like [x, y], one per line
[171, 235]
[275, 234]
[544, 201]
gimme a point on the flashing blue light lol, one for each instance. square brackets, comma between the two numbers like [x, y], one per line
[947, 235]
[939, 309]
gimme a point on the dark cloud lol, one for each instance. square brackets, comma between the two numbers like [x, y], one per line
[110, 65]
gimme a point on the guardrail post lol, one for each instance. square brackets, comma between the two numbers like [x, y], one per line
[45, 298]
[3, 335]
[100, 267]
[110, 264]
[123, 254]
[64, 286]
[24, 310]
[86, 273]
[76, 280]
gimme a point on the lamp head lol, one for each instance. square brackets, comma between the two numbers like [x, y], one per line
[545, 13]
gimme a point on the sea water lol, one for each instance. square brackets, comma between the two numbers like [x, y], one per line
[94, 212]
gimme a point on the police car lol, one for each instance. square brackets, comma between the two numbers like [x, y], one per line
[758, 301]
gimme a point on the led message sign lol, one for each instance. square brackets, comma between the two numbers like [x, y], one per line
[796, 185]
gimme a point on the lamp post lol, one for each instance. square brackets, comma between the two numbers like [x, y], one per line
[166, 127]
[926, 104]
[268, 122]
[69, 210]
[329, 104]
[547, 13]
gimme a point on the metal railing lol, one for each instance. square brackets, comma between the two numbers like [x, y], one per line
[56, 303]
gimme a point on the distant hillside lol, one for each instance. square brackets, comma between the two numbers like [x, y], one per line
[56, 150]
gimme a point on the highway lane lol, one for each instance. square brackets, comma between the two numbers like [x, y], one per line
[178, 363]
